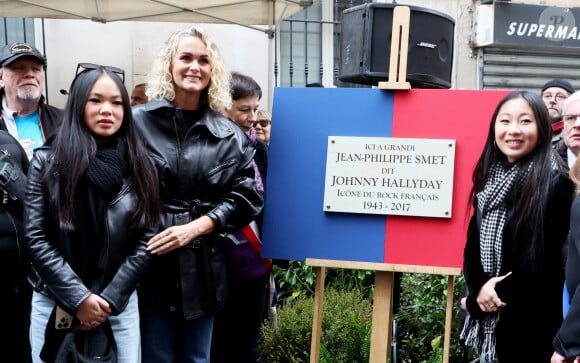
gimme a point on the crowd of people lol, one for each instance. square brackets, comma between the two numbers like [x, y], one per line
[111, 220]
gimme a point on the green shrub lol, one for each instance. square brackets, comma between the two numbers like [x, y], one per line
[294, 281]
[298, 280]
[346, 322]
[421, 318]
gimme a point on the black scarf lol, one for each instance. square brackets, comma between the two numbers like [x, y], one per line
[102, 182]
[105, 172]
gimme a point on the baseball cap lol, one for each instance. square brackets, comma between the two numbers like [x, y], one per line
[11, 52]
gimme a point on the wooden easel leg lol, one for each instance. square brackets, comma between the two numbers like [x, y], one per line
[399, 50]
[317, 315]
[448, 318]
[382, 317]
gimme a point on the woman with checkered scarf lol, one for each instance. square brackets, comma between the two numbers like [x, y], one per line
[513, 263]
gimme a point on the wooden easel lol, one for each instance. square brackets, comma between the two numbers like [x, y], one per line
[381, 333]
[399, 50]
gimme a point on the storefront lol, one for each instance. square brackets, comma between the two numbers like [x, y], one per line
[521, 46]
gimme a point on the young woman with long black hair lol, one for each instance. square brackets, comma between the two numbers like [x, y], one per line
[513, 261]
[92, 203]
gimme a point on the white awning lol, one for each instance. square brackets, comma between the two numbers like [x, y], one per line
[242, 12]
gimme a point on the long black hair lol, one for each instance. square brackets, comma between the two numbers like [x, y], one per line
[529, 198]
[75, 148]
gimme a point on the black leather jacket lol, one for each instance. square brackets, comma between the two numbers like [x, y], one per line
[123, 259]
[14, 262]
[206, 171]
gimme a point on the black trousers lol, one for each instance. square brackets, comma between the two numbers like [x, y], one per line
[15, 325]
[237, 328]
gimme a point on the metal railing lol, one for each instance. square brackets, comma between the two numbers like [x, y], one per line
[301, 45]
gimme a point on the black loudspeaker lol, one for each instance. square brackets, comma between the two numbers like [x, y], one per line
[366, 46]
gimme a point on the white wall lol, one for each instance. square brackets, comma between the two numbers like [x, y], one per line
[132, 46]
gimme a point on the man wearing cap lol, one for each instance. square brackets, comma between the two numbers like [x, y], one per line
[554, 93]
[25, 123]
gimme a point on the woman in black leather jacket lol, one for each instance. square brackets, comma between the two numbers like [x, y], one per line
[91, 206]
[207, 187]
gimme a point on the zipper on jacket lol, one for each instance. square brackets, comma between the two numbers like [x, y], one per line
[15, 233]
[177, 140]
[99, 286]
[222, 166]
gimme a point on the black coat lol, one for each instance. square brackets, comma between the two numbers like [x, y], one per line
[567, 340]
[207, 171]
[122, 261]
[562, 151]
[14, 262]
[533, 313]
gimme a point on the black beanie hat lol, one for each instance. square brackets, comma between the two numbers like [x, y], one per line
[561, 83]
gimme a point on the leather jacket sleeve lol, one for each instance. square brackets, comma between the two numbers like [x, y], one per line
[243, 202]
[133, 267]
[47, 259]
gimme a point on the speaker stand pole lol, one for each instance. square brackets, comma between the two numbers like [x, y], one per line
[399, 50]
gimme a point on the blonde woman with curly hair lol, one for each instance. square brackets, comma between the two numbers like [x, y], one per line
[204, 163]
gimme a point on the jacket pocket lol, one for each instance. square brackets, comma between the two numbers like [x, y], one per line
[221, 167]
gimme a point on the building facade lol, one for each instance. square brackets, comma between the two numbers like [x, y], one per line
[496, 45]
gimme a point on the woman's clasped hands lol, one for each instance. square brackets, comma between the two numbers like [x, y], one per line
[93, 311]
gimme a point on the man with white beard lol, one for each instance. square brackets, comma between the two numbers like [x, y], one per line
[26, 122]
[24, 112]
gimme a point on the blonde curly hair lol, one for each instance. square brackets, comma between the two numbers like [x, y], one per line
[161, 85]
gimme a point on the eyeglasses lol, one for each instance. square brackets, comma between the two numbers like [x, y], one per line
[89, 66]
[263, 123]
[570, 118]
[559, 97]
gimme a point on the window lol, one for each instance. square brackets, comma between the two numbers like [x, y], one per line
[16, 30]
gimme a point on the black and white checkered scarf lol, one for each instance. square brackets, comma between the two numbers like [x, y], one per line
[492, 204]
